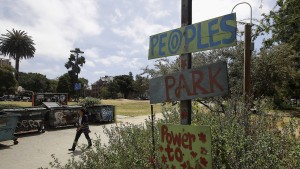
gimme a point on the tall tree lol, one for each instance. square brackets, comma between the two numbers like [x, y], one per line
[275, 74]
[73, 65]
[53, 85]
[8, 82]
[64, 84]
[17, 45]
[283, 22]
[125, 84]
[35, 82]
[141, 86]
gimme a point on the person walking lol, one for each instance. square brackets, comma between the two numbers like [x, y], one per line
[83, 127]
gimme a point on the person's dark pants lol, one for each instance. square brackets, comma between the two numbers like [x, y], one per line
[77, 136]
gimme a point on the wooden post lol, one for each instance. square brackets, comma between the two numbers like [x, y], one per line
[247, 60]
[246, 92]
[186, 61]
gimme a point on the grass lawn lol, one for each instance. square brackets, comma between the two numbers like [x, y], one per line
[122, 106]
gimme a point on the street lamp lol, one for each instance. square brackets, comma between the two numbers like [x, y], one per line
[248, 47]
[77, 51]
[247, 59]
[250, 10]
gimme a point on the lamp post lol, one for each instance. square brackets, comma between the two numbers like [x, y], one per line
[248, 47]
[77, 51]
[247, 59]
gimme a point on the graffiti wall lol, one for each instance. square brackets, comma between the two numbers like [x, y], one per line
[101, 113]
[63, 117]
[27, 125]
[107, 113]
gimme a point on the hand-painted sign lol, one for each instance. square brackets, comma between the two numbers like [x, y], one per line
[184, 146]
[207, 81]
[211, 34]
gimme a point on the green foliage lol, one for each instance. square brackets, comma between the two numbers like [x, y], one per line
[269, 142]
[84, 86]
[113, 90]
[141, 85]
[17, 45]
[104, 93]
[35, 82]
[73, 65]
[275, 74]
[64, 84]
[283, 23]
[89, 101]
[123, 84]
[8, 82]
[53, 85]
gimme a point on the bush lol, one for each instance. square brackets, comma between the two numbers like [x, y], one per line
[266, 142]
[89, 101]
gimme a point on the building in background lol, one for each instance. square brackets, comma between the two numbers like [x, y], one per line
[99, 84]
[4, 61]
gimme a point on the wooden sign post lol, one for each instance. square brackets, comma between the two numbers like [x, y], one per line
[186, 62]
[206, 81]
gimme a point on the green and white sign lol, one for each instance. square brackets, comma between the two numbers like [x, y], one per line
[211, 34]
[185, 146]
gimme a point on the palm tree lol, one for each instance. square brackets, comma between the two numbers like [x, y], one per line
[17, 45]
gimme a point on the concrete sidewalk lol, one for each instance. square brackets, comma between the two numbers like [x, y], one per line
[35, 149]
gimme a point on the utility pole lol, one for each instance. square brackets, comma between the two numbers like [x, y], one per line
[186, 62]
[76, 51]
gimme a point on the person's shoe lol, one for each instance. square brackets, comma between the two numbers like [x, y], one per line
[90, 143]
[72, 149]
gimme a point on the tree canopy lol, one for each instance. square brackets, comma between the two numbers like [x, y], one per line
[283, 23]
[35, 82]
[17, 45]
[8, 83]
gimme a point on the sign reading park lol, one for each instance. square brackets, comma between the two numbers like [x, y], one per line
[185, 146]
[207, 81]
[211, 34]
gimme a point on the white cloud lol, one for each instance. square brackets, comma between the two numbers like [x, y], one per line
[90, 63]
[111, 60]
[100, 73]
[91, 53]
[114, 35]
[139, 30]
[57, 24]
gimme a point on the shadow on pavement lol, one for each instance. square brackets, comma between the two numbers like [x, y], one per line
[3, 146]
[28, 134]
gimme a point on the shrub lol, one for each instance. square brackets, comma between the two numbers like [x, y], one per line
[89, 101]
[266, 142]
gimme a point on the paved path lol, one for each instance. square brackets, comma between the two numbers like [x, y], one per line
[34, 149]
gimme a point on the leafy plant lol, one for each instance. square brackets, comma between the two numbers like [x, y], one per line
[267, 142]
[89, 101]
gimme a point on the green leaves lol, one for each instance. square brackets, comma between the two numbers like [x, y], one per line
[17, 45]
[283, 22]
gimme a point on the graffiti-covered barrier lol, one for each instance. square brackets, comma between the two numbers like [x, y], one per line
[101, 113]
[8, 123]
[30, 119]
[59, 116]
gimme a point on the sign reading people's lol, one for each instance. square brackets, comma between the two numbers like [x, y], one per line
[207, 81]
[185, 146]
[211, 34]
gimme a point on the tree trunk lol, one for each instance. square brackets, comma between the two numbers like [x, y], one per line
[17, 68]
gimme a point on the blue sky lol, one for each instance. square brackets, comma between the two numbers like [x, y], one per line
[114, 34]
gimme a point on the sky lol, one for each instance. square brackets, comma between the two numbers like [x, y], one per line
[113, 34]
